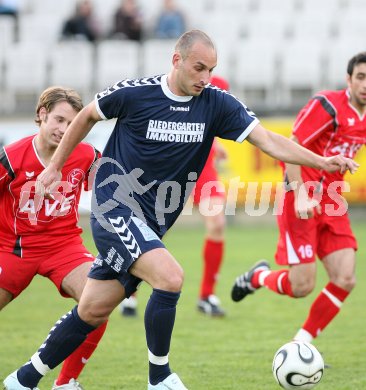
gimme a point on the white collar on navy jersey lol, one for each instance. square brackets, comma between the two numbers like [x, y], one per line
[169, 93]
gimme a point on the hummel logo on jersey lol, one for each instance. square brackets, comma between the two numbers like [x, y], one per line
[172, 108]
[351, 121]
[29, 175]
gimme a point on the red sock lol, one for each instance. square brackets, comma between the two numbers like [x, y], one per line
[277, 281]
[325, 307]
[75, 363]
[213, 253]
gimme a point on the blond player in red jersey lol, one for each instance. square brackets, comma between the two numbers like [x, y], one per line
[42, 236]
[315, 219]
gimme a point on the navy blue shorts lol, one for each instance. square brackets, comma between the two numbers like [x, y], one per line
[120, 242]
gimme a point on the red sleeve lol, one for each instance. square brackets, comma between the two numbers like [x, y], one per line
[6, 171]
[317, 116]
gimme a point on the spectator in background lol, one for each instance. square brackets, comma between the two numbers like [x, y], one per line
[127, 21]
[82, 25]
[9, 7]
[171, 22]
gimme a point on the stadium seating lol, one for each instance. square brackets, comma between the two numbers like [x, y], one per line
[226, 65]
[72, 65]
[104, 11]
[274, 52]
[61, 9]
[116, 60]
[157, 56]
[7, 33]
[217, 25]
[256, 72]
[265, 25]
[352, 24]
[301, 71]
[7, 39]
[39, 28]
[317, 28]
[338, 55]
[20, 81]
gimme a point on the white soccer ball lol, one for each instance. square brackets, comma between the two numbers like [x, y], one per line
[298, 365]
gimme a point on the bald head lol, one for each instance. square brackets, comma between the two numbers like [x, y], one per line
[189, 38]
[193, 61]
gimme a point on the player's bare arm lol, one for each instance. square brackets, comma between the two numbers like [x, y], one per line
[304, 207]
[288, 151]
[75, 133]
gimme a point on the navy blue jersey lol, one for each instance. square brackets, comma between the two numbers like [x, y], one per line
[160, 144]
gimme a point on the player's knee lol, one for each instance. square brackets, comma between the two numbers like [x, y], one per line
[216, 228]
[220, 225]
[346, 282]
[174, 281]
[94, 315]
[302, 278]
[303, 289]
[5, 298]
[351, 283]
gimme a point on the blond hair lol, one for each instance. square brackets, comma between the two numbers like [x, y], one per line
[53, 95]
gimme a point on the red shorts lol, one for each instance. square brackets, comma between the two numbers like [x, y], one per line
[16, 273]
[302, 239]
[208, 186]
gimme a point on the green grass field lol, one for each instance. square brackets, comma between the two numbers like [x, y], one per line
[234, 353]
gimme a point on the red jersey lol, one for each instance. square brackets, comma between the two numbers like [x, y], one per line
[25, 222]
[208, 174]
[329, 125]
[210, 162]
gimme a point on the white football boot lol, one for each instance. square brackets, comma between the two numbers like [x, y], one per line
[172, 382]
[211, 306]
[72, 385]
[128, 307]
[11, 383]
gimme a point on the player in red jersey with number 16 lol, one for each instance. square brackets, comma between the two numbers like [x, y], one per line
[333, 122]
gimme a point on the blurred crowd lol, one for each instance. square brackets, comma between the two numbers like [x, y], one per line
[127, 21]
[266, 73]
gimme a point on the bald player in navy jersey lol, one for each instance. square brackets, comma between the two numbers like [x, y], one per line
[164, 132]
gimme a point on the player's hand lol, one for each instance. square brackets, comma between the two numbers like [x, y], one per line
[309, 211]
[47, 180]
[305, 207]
[339, 163]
